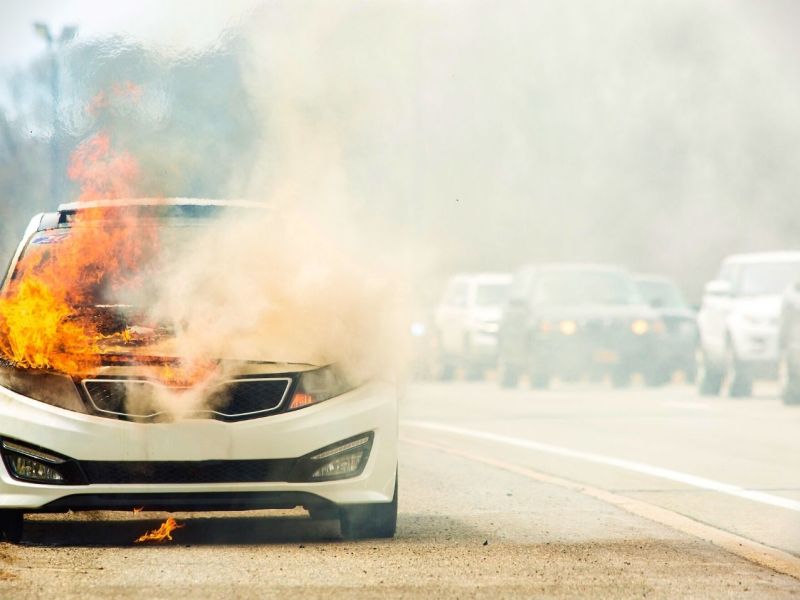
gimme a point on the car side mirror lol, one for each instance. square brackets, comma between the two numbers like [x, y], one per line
[719, 289]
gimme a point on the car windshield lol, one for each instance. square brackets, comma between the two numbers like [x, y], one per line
[767, 279]
[661, 294]
[131, 278]
[491, 294]
[573, 288]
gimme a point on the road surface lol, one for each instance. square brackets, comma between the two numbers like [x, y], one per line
[579, 491]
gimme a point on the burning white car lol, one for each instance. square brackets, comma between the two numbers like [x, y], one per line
[99, 411]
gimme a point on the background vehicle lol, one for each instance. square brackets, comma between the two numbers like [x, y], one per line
[572, 320]
[678, 343]
[467, 320]
[789, 345]
[738, 321]
[263, 433]
[423, 345]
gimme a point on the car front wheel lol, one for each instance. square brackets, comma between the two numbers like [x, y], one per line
[709, 377]
[11, 522]
[739, 377]
[365, 521]
[789, 380]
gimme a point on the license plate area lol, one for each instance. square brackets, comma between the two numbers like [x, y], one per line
[605, 357]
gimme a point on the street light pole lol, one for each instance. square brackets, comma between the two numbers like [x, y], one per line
[53, 45]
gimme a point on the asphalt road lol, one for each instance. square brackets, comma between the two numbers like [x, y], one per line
[579, 491]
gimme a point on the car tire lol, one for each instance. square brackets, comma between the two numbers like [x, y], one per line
[789, 381]
[509, 377]
[539, 379]
[11, 525]
[709, 377]
[330, 513]
[690, 372]
[369, 521]
[740, 382]
[657, 377]
[620, 378]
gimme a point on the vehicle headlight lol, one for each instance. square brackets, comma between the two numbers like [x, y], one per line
[319, 385]
[568, 327]
[51, 388]
[640, 327]
[418, 329]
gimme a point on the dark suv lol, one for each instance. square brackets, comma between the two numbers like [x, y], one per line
[678, 344]
[789, 345]
[575, 320]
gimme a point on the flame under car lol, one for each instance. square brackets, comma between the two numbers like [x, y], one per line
[109, 419]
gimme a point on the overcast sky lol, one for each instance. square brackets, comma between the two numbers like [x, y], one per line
[191, 24]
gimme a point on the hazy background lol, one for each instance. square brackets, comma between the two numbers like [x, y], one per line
[661, 135]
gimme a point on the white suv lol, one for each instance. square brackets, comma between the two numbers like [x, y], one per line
[738, 320]
[467, 321]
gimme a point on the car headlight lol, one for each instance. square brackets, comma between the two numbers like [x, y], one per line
[568, 327]
[51, 388]
[319, 385]
[418, 329]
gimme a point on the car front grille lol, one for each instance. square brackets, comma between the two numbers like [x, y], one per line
[216, 471]
[233, 400]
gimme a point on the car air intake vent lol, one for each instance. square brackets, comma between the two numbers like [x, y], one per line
[213, 471]
[233, 400]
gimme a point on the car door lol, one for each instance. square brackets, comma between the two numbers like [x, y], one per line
[715, 311]
[452, 315]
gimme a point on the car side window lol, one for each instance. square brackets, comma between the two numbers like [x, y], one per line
[457, 294]
[729, 273]
[520, 289]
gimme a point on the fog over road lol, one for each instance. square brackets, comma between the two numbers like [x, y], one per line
[575, 491]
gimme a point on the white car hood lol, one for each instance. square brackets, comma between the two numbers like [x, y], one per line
[759, 306]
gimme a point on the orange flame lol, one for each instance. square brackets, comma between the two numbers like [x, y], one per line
[47, 316]
[101, 172]
[36, 331]
[162, 533]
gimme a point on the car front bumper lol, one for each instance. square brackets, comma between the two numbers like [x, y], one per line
[756, 344]
[559, 354]
[371, 408]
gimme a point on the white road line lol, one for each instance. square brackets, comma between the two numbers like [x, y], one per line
[620, 463]
[756, 552]
[689, 405]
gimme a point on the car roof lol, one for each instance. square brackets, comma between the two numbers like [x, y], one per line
[763, 257]
[576, 267]
[125, 202]
[492, 278]
[651, 278]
